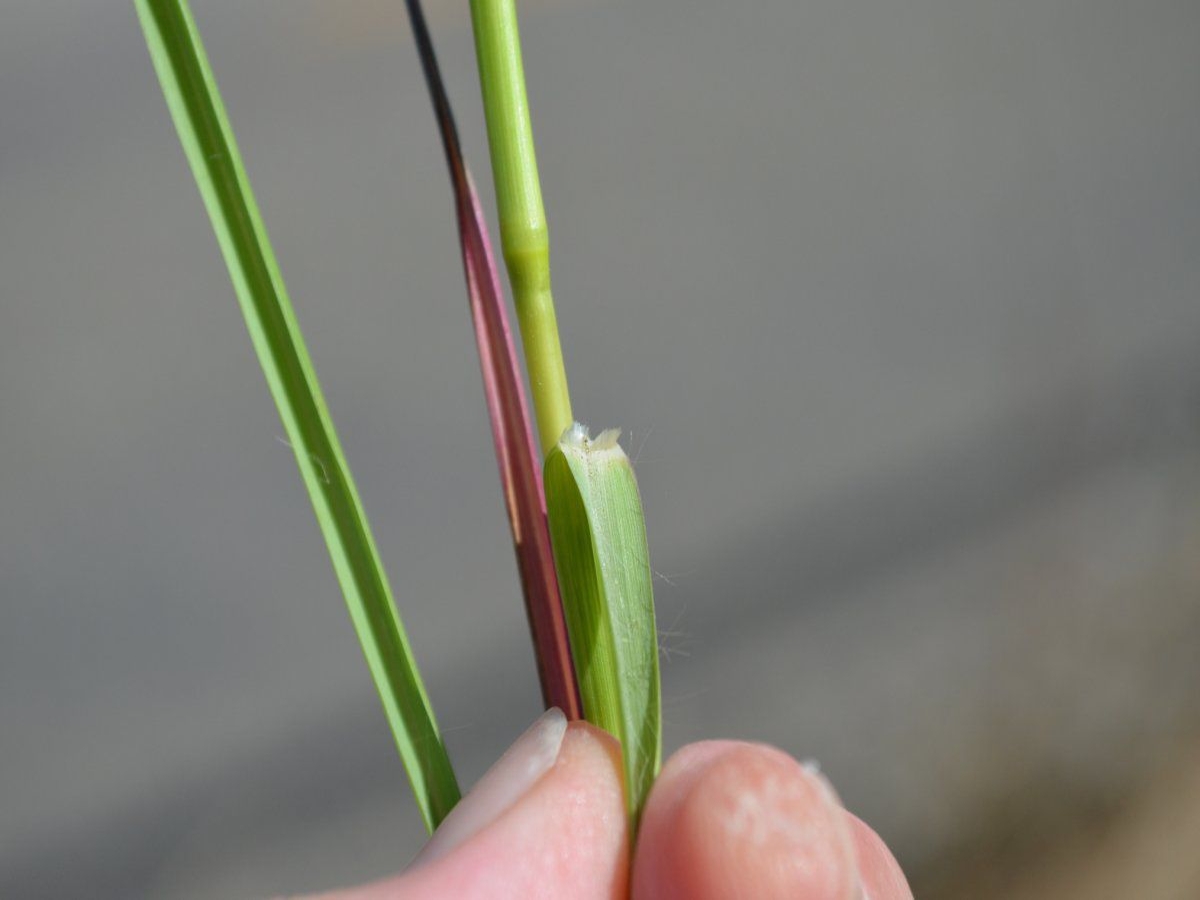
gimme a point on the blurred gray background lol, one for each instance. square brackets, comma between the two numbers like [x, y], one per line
[897, 303]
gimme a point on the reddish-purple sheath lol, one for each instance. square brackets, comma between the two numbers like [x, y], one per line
[516, 452]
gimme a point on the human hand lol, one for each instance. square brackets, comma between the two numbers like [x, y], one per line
[725, 819]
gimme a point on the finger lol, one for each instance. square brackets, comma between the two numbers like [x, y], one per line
[565, 835]
[882, 877]
[728, 819]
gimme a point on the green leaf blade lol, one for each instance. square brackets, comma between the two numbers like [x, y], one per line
[598, 531]
[207, 138]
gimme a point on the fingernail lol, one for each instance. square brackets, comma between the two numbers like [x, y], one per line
[502, 785]
[829, 795]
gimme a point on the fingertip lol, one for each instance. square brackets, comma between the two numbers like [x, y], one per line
[730, 819]
[584, 812]
[565, 837]
[882, 877]
[588, 750]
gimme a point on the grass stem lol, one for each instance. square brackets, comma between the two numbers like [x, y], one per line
[524, 237]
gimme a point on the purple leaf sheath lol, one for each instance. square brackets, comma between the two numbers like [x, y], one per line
[516, 453]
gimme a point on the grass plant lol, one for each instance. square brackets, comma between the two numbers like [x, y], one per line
[583, 530]
[597, 524]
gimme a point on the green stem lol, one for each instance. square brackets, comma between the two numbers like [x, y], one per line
[523, 234]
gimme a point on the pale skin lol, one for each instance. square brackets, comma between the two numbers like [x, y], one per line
[726, 819]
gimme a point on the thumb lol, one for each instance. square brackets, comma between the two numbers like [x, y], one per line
[547, 820]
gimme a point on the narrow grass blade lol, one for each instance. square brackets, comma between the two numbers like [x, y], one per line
[520, 473]
[204, 131]
[599, 536]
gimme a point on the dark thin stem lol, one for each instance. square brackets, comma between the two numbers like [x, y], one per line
[516, 453]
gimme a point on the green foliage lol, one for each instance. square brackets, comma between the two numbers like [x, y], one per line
[204, 131]
[599, 536]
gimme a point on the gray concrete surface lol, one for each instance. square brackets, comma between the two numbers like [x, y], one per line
[897, 304]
